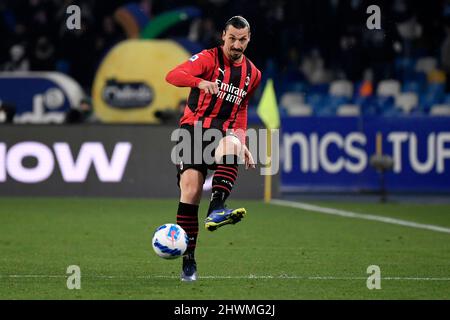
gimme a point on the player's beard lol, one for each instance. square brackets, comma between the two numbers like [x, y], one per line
[235, 54]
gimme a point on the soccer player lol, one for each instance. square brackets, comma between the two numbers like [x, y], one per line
[222, 81]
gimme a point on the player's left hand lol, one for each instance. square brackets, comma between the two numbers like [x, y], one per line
[248, 159]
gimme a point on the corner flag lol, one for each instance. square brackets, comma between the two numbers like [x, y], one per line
[268, 112]
[268, 108]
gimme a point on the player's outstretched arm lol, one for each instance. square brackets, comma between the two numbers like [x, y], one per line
[190, 73]
[181, 77]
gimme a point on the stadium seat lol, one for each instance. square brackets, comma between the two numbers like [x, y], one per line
[295, 86]
[291, 98]
[299, 110]
[326, 111]
[437, 89]
[440, 110]
[404, 66]
[388, 88]
[349, 110]
[419, 77]
[426, 64]
[416, 112]
[316, 101]
[384, 103]
[407, 101]
[434, 94]
[341, 88]
[447, 99]
[368, 105]
[392, 112]
[321, 88]
[412, 86]
[328, 105]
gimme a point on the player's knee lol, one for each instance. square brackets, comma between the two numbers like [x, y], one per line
[191, 194]
[229, 145]
[191, 190]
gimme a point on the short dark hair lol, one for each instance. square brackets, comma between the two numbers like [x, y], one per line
[239, 22]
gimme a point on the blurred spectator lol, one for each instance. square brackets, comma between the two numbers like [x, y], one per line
[43, 55]
[313, 67]
[7, 112]
[83, 114]
[18, 60]
[107, 37]
[366, 88]
[171, 116]
[322, 39]
[445, 50]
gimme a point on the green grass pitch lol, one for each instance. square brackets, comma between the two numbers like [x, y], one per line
[274, 253]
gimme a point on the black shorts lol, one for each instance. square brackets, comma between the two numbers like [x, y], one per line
[197, 145]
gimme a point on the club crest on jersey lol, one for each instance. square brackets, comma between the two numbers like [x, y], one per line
[247, 80]
[193, 58]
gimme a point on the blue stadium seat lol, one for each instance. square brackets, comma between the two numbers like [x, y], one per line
[321, 88]
[356, 88]
[326, 111]
[447, 99]
[392, 112]
[330, 105]
[417, 112]
[383, 104]
[368, 105]
[412, 86]
[405, 64]
[404, 68]
[321, 104]
[419, 77]
[437, 88]
[369, 110]
[315, 100]
[296, 86]
[336, 101]
[360, 100]
[434, 94]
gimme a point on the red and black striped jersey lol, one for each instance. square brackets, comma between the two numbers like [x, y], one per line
[236, 81]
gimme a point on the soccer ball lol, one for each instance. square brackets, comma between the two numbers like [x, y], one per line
[170, 241]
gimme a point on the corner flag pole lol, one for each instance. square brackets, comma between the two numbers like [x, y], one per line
[268, 112]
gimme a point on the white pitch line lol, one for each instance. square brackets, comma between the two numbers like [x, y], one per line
[211, 277]
[350, 214]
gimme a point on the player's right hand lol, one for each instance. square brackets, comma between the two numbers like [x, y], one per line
[209, 87]
[248, 158]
